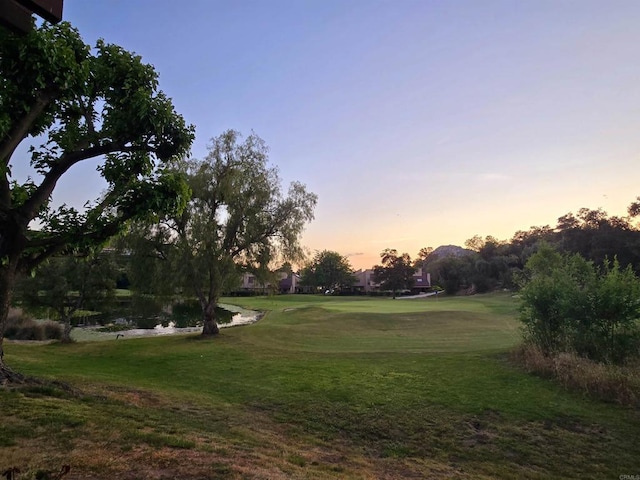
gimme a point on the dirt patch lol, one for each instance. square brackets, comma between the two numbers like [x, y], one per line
[139, 398]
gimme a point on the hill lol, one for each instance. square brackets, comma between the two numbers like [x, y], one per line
[444, 251]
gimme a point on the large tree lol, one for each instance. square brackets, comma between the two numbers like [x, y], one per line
[396, 271]
[328, 270]
[76, 104]
[237, 220]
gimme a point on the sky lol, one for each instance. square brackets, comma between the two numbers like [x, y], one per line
[417, 123]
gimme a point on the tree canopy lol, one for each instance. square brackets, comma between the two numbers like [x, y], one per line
[492, 263]
[328, 270]
[593, 234]
[76, 104]
[238, 220]
[396, 271]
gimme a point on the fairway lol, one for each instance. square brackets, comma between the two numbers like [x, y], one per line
[362, 324]
[320, 388]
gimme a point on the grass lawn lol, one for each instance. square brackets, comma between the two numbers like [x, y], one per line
[320, 388]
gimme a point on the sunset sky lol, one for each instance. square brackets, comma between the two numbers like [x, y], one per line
[417, 123]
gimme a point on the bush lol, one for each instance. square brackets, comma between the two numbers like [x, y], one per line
[570, 306]
[23, 327]
[52, 330]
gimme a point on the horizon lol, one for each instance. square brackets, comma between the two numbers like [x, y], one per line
[417, 123]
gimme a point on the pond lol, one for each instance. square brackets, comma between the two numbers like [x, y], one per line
[142, 317]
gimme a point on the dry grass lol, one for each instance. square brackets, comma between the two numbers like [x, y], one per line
[258, 449]
[611, 383]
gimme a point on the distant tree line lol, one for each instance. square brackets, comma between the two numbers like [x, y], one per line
[488, 263]
[330, 272]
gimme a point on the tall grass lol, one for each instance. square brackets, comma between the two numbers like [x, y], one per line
[611, 383]
[21, 326]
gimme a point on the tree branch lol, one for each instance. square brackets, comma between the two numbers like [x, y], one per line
[276, 224]
[22, 127]
[5, 192]
[56, 243]
[66, 161]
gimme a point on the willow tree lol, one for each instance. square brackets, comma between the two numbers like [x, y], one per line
[74, 104]
[238, 219]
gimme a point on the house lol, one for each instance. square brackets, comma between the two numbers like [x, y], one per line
[286, 283]
[290, 283]
[365, 283]
[421, 281]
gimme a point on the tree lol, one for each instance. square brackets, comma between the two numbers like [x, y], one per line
[492, 265]
[475, 243]
[546, 304]
[396, 271]
[422, 256]
[634, 208]
[328, 271]
[237, 220]
[70, 283]
[82, 105]
[452, 273]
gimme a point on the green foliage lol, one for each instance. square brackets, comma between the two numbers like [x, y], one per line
[570, 305]
[611, 331]
[77, 104]
[48, 62]
[328, 271]
[396, 271]
[82, 104]
[484, 266]
[452, 273]
[591, 233]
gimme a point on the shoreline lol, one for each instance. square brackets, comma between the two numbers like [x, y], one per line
[91, 333]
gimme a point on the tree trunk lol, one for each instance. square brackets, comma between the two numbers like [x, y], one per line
[7, 281]
[210, 326]
[66, 331]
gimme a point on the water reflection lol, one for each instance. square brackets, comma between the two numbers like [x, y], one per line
[146, 316]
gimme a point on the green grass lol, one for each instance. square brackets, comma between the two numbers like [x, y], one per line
[321, 387]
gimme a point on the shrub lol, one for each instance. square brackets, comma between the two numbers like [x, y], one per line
[23, 327]
[52, 330]
[570, 306]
